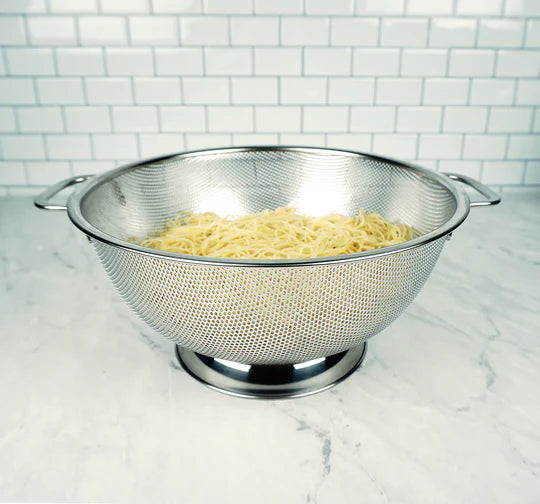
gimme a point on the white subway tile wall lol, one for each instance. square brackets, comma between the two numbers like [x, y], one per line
[80, 61]
[87, 119]
[101, 30]
[40, 119]
[134, 119]
[30, 61]
[85, 85]
[7, 120]
[452, 32]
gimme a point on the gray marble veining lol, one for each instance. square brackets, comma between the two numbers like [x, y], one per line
[445, 408]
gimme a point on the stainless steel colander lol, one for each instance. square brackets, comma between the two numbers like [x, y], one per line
[267, 312]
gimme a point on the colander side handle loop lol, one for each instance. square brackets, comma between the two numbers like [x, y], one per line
[43, 200]
[492, 198]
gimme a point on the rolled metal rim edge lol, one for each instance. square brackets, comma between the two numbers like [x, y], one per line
[75, 200]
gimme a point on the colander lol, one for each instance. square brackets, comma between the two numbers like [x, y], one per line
[267, 328]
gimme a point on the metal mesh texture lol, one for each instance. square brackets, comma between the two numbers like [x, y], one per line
[140, 200]
[267, 315]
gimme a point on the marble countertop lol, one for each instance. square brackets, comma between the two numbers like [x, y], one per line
[445, 409]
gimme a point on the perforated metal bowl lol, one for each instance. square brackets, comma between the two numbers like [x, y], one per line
[267, 311]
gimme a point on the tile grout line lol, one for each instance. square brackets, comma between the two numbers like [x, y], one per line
[441, 121]
[524, 171]
[524, 34]
[534, 115]
[488, 118]
[495, 65]
[507, 146]
[476, 33]
[469, 91]
[516, 82]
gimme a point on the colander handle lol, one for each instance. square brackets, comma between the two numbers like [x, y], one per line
[492, 198]
[43, 200]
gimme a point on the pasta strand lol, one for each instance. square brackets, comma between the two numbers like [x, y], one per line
[276, 234]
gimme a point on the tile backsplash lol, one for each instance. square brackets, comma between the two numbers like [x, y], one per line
[86, 85]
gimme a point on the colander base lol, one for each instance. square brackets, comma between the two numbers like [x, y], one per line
[279, 381]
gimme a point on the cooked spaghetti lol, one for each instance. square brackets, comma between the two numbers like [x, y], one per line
[277, 234]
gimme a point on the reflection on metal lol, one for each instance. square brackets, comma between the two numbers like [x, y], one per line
[308, 363]
[235, 365]
[271, 381]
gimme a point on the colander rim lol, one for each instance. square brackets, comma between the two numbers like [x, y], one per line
[76, 199]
